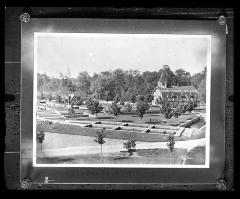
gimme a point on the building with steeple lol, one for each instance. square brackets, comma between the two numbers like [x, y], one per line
[172, 93]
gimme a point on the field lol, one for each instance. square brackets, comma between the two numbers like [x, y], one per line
[152, 116]
[75, 149]
[64, 143]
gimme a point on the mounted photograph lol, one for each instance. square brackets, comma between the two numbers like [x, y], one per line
[121, 100]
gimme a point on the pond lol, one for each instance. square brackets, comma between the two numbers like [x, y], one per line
[197, 124]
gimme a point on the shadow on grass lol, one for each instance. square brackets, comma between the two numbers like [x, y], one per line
[130, 121]
[105, 117]
[66, 160]
[153, 122]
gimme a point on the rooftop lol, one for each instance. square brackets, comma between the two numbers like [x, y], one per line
[178, 89]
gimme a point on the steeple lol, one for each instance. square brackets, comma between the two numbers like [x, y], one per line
[162, 82]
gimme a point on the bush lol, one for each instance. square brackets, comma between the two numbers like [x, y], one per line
[129, 107]
[130, 145]
[71, 111]
[49, 97]
[142, 107]
[122, 102]
[150, 98]
[77, 100]
[115, 109]
[42, 96]
[94, 106]
[59, 99]
[133, 98]
[140, 98]
[116, 99]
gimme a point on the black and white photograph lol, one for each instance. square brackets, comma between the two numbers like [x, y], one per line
[121, 100]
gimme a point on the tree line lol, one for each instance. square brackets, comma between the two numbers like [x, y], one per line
[125, 85]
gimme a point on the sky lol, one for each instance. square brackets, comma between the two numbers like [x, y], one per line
[95, 53]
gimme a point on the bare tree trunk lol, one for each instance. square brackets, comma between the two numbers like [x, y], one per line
[101, 152]
[170, 157]
[163, 153]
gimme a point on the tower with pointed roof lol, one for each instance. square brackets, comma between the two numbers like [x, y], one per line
[162, 82]
[172, 93]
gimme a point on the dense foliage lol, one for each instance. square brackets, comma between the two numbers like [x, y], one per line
[176, 109]
[115, 109]
[142, 107]
[117, 85]
[100, 138]
[93, 106]
[130, 146]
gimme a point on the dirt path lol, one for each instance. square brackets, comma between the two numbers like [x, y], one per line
[65, 145]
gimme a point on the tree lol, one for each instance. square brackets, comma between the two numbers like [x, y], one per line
[84, 82]
[139, 86]
[77, 100]
[120, 82]
[189, 106]
[121, 101]
[115, 109]
[116, 99]
[202, 91]
[182, 77]
[142, 107]
[150, 98]
[42, 125]
[170, 145]
[130, 146]
[169, 74]
[140, 98]
[71, 110]
[133, 98]
[100, 138]
[129, 107]
[198, 77]
[40, 136]
[94, 106]
[166, 110]
[151, 79]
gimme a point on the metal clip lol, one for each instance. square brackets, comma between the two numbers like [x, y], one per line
[221, 185]
[24, 17]
[26, 183]
[222, 20]
[46, 180]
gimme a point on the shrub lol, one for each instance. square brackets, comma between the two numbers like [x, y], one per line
[140, 98]
[116, 99]
[129, 107]
[122, 102]
[142, 107]
[100, 138]
[40, 137]
[133, 98]
[59, 99]
[150, 98]
[42, 96]
[94, 106]
[77, 100]
[130, 145]
[115, 109]
[71, 111]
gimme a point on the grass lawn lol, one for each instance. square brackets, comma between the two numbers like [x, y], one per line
[141, 156]
[148, 118]
[123, 135]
